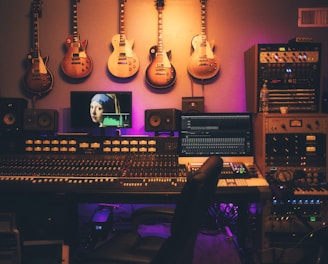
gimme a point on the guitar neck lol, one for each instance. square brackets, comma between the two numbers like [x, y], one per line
[160, 31]
[121, 21]
[35, 46]
[74, 22]
[203, 23]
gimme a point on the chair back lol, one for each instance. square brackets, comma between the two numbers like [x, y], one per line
[193, 202]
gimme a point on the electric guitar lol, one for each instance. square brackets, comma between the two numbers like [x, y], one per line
[203, 64]
[76, 62]
[38, 79]
[123, 62]
[160, 73]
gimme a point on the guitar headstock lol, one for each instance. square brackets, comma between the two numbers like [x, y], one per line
[37, 7]
[159, 4]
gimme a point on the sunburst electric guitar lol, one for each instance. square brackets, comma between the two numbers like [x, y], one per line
[160, 73]
[123, 62]
[38, 79]
[76, 63]
[203, 63]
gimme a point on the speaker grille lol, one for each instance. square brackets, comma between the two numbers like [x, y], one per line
[162, 120]
[40, 120]
[12, 115]
[193, 104]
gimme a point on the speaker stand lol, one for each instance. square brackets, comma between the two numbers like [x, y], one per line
[102, 131]
[157, 133]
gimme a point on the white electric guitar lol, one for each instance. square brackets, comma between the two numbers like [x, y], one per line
[123, 62]
[203, 63]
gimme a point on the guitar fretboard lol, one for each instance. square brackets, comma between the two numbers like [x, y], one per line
[35, 35]
[160, 31]
[121, 22]
[203, 23]
[75, 30]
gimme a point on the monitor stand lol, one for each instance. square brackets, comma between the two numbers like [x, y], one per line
[157, 133]
[116, 134]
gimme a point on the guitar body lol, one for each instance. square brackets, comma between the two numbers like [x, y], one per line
[160, 73]
[203, 64]
[123, 62]
[76, 62]
[38, 78]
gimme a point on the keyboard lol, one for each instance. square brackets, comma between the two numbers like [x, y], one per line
[311, 190]
[243, 182]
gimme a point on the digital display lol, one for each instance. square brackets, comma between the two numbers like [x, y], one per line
[205, 134]
[101, 109]
[295, 123]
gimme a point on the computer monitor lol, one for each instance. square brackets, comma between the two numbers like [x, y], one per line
[90, 109]
[224, 134]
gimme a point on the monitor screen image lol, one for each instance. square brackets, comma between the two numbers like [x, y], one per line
[101, 109]
[225, 134]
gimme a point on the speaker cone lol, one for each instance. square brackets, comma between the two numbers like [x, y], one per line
[155, 120]
[44, 120]
[9, 119]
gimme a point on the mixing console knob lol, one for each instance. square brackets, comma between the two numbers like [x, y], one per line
[273, 128]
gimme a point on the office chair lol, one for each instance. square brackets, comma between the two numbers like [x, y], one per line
[130, 248]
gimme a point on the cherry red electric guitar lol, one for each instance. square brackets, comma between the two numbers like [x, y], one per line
[203, 63]
[38, 79]
[76, 62]
[160, 73]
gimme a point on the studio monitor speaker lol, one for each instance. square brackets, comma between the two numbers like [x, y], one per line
[41, 120]
[162, 120]
[12, 115]
[193, 104]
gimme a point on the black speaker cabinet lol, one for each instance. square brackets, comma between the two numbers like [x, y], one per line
[12, 115]
[41, 120]
[193, 104]
[162, 120]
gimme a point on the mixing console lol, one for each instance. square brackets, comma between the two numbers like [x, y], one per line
[109, 165]
[115, 172]
[158, 171]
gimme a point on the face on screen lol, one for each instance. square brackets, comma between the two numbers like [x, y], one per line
[96, 112]
[102, 103]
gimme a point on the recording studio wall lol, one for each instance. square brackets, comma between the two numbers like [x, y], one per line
[234, 26]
